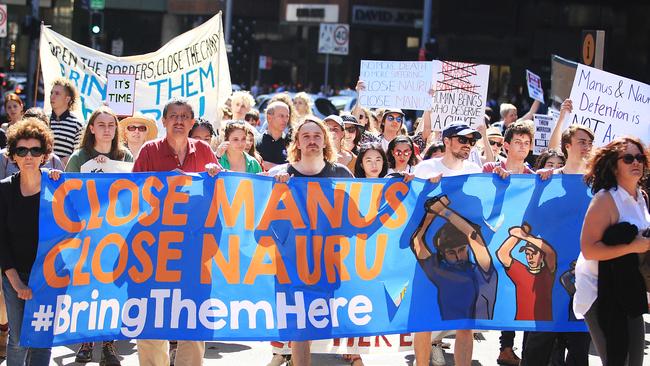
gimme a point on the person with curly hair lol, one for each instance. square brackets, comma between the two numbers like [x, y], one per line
[30, 143]
[613, 302]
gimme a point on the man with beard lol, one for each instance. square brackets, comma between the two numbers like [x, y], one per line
[311, 153]
[533, 280]
[459, 139]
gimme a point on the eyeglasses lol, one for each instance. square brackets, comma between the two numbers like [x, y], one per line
[399, 119]
[629, 158]
[35, 151]
[139, 128]
[351, 129]
[405, 153]
[499, 144]
[465, 140]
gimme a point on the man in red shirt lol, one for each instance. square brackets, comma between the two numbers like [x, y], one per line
[175, 151]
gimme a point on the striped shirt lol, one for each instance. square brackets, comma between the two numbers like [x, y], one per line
[67, 129]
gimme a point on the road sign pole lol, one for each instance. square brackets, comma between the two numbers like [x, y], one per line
[327, 71]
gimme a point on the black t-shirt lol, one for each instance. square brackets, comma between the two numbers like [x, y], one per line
[3, 139]
[18, 226]
[330, 170]
[273, 151]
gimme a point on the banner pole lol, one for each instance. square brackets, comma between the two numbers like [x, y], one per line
[38, 67]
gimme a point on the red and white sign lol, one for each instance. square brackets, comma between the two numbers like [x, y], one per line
[334, 38]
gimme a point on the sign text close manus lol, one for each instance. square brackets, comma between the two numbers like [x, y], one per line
[193, 65]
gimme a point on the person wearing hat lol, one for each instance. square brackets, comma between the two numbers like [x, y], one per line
[495, 139]
[335, 124]
[459, 139]
[137, 130]
[534, 279]
[356, 134]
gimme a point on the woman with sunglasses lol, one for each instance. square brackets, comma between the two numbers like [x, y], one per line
[137, 130]
[401, 155]
[613, 309]
[9, 166]
[235, 158]
[100, 141]
[30, 143]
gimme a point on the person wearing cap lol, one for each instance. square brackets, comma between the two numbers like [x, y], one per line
[533, 280]
[137, 130]
[336, 127]
[459, 139]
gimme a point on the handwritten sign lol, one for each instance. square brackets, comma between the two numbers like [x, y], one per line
[544, 125]
[108, 166]
[535, 90]
[396, 84]
[120, 93]
[460, 93]
[610, 105]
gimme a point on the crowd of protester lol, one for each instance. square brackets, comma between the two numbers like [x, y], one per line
[363, 143]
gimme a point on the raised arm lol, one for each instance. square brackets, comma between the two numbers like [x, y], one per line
[440, 206]
[556, 136]
[418, 244]
[356, 111]
[550, 256]
[533, 109]
[503, 253]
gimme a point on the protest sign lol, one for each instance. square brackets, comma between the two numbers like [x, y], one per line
[544, 125]
[241, 257]
[610, 105]
[108, 166]
[460, 93]
[396, 84]
[535, 90]
[120, 93]
[193, 66]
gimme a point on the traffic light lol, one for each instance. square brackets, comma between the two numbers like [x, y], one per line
[96, 23]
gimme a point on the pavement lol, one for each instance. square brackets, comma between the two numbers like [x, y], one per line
[485, 352]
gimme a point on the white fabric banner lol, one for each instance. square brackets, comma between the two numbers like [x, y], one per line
[610, 105]
[194, 66]
[108, 166]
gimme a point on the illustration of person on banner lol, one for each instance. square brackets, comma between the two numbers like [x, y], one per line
[466, 290]
[533, 280]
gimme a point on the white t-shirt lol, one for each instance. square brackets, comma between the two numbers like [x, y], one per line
[431, 167]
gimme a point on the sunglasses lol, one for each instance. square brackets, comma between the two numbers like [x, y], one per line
[139, 128]
[35, 151]
[402, 153]
[399, 119]
[499, 144]
[629, 158]
[465, 140]
[351, 129]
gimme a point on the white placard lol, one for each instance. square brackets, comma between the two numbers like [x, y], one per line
[610, 105]
[535, 90]
[120, 93]
[109, 166]
[460, 93]
[544, 125]
[334, 39]
[396, 84]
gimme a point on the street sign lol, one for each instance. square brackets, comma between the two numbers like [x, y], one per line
[3, 20]
[334, 38]
[97, 4]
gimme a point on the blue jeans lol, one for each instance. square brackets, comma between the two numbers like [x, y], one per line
[17, 355]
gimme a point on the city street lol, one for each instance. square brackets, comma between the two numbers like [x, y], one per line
[259, 353]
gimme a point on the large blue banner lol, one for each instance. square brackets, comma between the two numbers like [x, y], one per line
[241, 257]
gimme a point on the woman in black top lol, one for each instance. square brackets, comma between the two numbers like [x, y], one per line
[29, 145]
